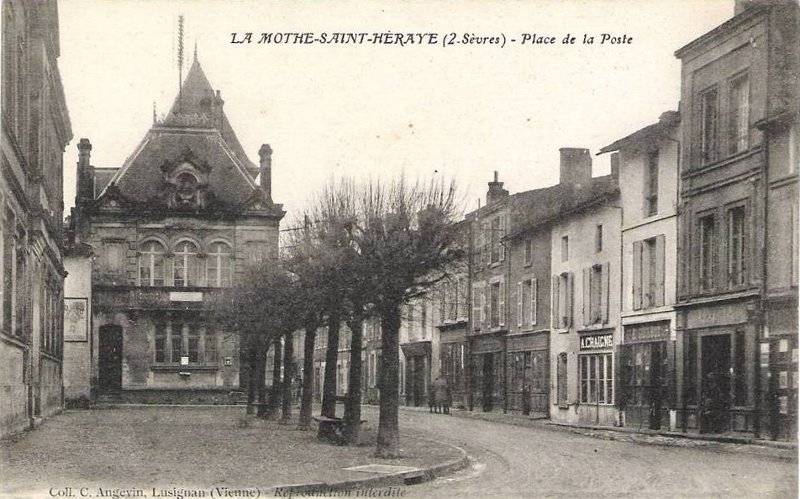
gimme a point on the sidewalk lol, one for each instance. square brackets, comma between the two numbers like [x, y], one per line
[724, 443]
[199, 448]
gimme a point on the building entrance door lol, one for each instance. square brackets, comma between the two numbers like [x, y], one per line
[716, 382]
[110, 358]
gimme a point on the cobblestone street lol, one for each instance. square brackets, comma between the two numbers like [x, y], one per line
[206, 447]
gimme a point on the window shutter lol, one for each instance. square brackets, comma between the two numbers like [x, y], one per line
[502, 233]
[659, 277]
[555, 310]
[604, 292]
[534, 299]
[476, 306]
[637, 275]
[502, 303]
[520, 313]
[487, 245]
[587, 296]
[485, 317]
[570, 298]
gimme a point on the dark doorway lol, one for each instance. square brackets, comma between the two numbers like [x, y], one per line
[110, 362]
[415, 380]
[488, 382]
[644, 383]
[716, 382]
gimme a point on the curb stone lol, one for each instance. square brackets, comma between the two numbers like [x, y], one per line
[403, 478]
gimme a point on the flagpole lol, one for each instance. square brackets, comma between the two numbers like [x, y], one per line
[180, 63]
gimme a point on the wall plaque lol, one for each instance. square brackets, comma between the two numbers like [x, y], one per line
[76, 319]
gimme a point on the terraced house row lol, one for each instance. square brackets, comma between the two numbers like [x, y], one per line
[661, 296]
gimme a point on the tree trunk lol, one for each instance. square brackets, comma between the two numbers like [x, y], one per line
[259, 377]
[388, 444]
[352, 407]
[308, 378]
[275, 392]
[252, 385]
[288, 377]
[329, 385]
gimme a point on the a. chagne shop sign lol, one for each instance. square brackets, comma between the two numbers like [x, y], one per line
[597, 342]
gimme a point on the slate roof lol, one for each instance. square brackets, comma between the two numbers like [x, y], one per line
[102, 176]
[187, 129]
[644, 136]
[535, 208]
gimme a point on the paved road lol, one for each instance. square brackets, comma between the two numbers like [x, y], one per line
[511, 461]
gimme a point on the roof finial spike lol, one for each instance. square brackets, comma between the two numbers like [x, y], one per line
[154, 112]
[195, 50]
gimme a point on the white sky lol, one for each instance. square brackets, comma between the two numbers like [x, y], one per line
[463, 111]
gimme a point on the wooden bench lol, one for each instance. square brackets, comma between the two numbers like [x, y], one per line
[333, 426]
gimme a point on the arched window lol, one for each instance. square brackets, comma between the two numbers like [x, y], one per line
[187, 265]
[186, 189]
[219, 265]
[151, 264]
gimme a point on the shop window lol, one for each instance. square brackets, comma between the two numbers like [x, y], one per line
[709, 119]
[739, 124]
[736, 246]
[596, 379]
[651, 184]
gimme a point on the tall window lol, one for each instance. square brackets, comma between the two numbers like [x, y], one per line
[495, 234]
[497, 304]
[187, 265]
[650, 262]
[736, 246]
[161, 343]
[423, 317]
[528, 251]
[648, 272]
[707, 228]
[739, 126]
[564, 248]
[595, 294]
[177, 342]
[526, 302]
[151, 264]
[651, 185]
[597, 381]
[219, 265]
[709, 118]
[562, 300]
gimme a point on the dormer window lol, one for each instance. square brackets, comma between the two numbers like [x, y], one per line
[186, 190]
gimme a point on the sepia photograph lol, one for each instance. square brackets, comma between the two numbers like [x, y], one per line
[542, 248]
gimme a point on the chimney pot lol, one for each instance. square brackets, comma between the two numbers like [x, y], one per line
[265, 169]
[496, 191]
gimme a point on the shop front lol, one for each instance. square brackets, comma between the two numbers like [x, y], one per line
[646, 374]
[418, 372]
[452, 355]
[596, 378]
[529, 374]
[487, 369]
[719, 372]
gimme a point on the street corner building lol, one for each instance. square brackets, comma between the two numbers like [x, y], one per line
[35, 131]
[153, 245]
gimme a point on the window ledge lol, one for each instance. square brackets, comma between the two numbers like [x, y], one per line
[180, 368]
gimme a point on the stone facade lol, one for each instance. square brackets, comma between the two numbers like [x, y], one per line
[35, 131]
[738, 80]
[169, 231]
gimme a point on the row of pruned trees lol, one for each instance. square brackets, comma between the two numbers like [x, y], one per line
[362, 251]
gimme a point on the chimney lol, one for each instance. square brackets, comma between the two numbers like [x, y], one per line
[576, 166]
[265, 169]
[217, 110]
[84, 190]
[615, 164]
[496, 191]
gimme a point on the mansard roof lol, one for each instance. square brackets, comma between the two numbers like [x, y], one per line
[195, 130]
